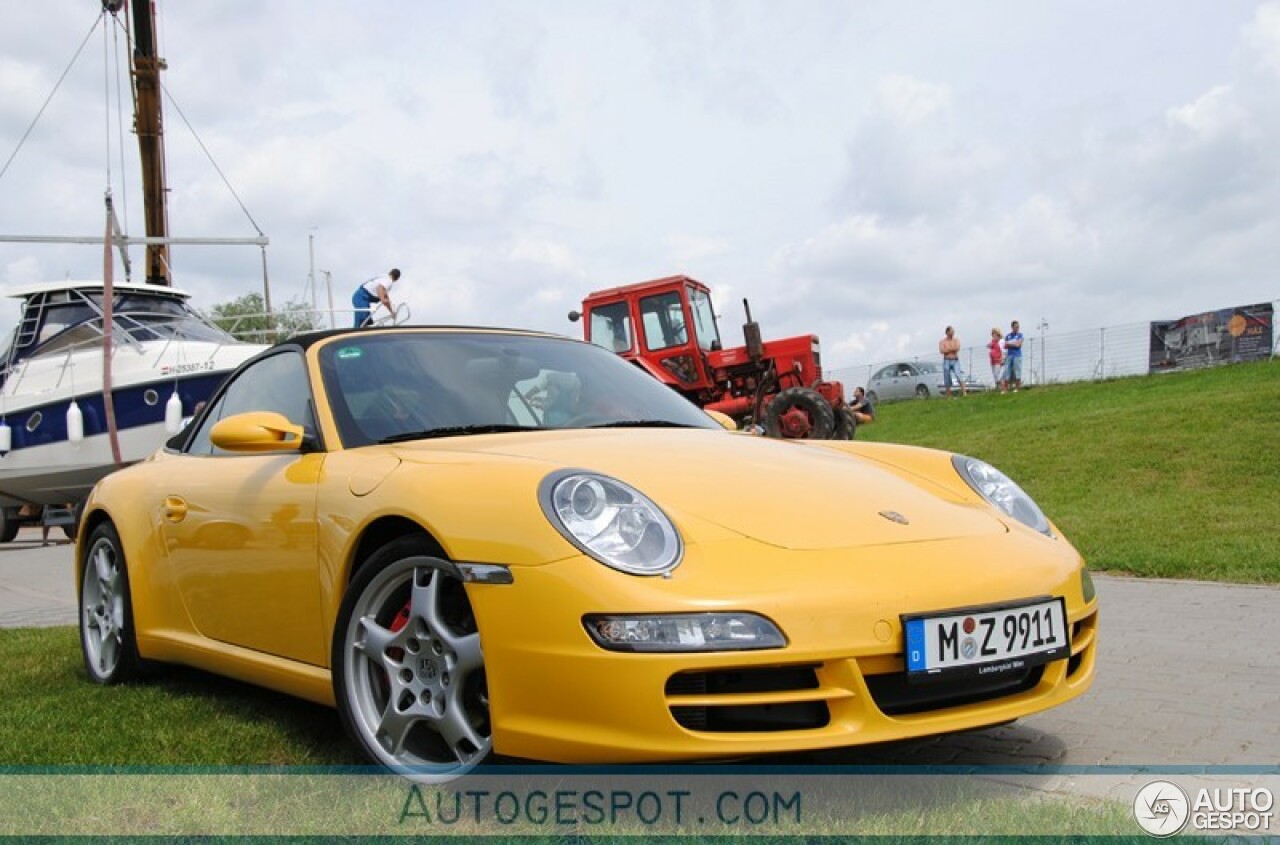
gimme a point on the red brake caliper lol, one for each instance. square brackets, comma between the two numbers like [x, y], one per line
[401, 619]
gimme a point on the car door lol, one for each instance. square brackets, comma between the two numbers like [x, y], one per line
[241, 528]
[894, 383]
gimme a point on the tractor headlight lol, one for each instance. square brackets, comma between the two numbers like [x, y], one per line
[1000, 490]
[611, 521]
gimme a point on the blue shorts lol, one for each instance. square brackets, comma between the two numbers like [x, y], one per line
[1013, 368]
[950, 369]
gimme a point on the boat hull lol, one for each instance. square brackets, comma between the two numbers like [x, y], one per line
[46, 467]
[63, 473]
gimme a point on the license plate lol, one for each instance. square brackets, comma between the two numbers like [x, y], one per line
[985, 641]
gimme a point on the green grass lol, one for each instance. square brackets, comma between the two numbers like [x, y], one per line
[92, 754]
[53, 715]
[1174, 475]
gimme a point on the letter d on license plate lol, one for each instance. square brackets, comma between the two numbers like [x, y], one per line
[987, 640]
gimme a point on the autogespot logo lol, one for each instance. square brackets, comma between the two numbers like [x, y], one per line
[1161, 808]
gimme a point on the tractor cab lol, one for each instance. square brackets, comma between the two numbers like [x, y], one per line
[665, 326]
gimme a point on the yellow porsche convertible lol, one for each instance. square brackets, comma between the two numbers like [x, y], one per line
[479, 541]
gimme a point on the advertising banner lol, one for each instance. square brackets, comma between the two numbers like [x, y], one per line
[1225, 336]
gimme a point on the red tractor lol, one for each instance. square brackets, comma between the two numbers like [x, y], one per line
[667, 327]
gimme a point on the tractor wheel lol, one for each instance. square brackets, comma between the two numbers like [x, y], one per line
[846, 424]
[800, 413]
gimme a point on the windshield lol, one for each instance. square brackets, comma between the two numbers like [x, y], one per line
[395, 386]
[704, 319]
[151, 318]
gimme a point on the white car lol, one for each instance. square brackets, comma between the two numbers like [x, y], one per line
[915, 379]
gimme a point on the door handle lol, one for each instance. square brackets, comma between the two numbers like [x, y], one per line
[175, 509]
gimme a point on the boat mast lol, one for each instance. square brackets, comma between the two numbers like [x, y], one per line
[149, 127]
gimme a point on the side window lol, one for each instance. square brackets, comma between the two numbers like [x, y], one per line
[278, 383]
[663, 318]
[611, 327]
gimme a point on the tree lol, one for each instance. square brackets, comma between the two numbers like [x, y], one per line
[246, 318]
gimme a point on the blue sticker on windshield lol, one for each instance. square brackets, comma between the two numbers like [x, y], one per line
[350, 352]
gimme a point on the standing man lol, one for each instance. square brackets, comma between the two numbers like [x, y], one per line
[1012, 358]
[377, 289]
[949, 346]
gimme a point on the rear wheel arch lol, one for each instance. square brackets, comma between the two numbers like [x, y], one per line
[91, 522]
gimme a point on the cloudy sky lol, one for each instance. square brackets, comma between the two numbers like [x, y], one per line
[867, 171]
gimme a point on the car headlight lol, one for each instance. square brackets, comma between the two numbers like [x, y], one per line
[677, 632]
[1000, 490]
[611, 521]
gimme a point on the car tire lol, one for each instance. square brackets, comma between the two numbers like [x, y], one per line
[107, 636]
[846, 424]
[873, 397]
[408, 669]
[922, 391]
[818, 417]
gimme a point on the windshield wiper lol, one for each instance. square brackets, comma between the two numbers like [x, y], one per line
[455, 430]
[640, 424]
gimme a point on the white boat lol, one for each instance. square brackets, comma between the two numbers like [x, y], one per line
[165, 359]
[58, 432]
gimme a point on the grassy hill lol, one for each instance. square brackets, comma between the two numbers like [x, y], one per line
[1174, 475]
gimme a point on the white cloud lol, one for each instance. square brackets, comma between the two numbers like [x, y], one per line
[1262, 37]
[1215, 112]
[911, 100]
[688, 248]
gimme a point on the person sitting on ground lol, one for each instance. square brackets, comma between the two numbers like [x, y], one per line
[863, 411]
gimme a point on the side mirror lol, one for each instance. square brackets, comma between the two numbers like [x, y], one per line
[574, 316]
[257, 431]
[725, 420]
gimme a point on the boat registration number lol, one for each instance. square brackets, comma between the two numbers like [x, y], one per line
[179, 369]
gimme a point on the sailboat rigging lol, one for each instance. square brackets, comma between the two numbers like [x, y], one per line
[88, 367]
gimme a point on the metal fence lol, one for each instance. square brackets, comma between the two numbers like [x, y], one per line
[1091, 354]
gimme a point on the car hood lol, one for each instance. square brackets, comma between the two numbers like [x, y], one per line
[748, 485]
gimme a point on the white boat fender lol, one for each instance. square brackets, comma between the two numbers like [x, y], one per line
[6, 438]
[173, 413]
[75, 423]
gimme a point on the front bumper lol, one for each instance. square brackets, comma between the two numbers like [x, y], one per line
[840, 681]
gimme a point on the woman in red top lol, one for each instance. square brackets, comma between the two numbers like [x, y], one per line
[996, 356]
